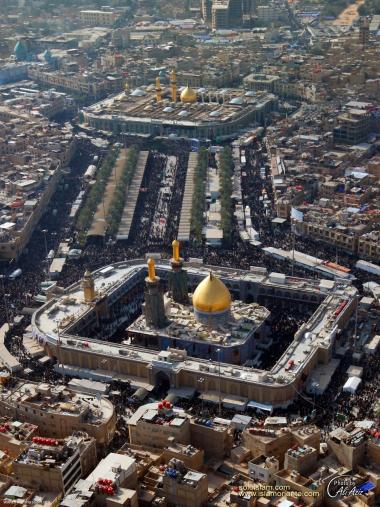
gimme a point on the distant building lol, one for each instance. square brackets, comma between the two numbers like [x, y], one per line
[206, 10]
[354, 126]
[220, 15]
[99, 17]
[200, 114]
[25, 199]
[87, 84]
[10, 72]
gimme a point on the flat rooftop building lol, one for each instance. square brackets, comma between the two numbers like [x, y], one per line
[209, 114]
[55, 465]
[58, 411]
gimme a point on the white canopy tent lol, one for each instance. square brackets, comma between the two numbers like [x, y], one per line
[351, 385]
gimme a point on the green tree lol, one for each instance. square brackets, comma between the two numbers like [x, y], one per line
[226, 169]
[199, 195]
[96, 192]
[118, 199]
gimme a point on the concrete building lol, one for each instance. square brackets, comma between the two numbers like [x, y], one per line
[12, 493]
[53, 465]
[156, 425]
[276, 441]
[354, 127]
[263, 468]
[206, 10]
[349, 446]
[215, 439]
[311, 490]
[184, 487]
[78, 83]
[59, 412]
[99, 17]
[112, 483]
[192, 457]
[11, 71]
[302, 459]
[220, 15]
[15, 435]
[267, 442]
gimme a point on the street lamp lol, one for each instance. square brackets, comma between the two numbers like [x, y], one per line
[60, 362]
[5, 299]
[357, 297]
[201, 381]
[220, 385]
[45, 231]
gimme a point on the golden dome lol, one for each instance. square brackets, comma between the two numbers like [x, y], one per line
[188, 95]
[211, 295]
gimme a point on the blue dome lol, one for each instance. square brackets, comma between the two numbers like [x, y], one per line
[20, 50]
[47, 55]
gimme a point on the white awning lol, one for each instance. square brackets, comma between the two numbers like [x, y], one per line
[260, 406]
[210, 396]
[351, 385]
[235, 402]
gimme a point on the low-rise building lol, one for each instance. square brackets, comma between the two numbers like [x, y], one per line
[11, 493]
[275, 441]
[15, 435]
[33, 154]
[348, 445]
[214, 438]
[58, 411]
[155, 425]
[99, 17]
[302, 459]
[263, 468]
[78, 83]
[111, 484]
[183, 486]
[55, 465]
[192, 457]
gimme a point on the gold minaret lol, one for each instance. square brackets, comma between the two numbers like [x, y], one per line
[151, 271]
[173, 82]
[88, 286]
[158, 90]
[154, 306]
[175, 246]
[178, 277]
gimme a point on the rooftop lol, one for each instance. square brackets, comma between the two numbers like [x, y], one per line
[141, 103]
[59, 400]
[317, 332]
[245, 319]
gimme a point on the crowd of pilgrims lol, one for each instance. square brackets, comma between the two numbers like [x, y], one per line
[19, 293]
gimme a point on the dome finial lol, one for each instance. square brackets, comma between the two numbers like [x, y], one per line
[175, 246]
[151, 270]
